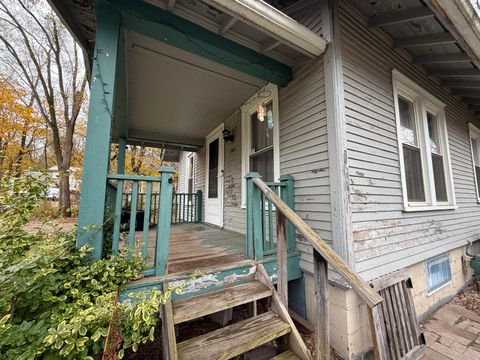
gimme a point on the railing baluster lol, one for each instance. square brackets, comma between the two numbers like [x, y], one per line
[146, 219]
[133, 218]
[198, 205]
[118, 217]
[270, 225]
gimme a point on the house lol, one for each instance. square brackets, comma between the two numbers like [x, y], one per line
[360, 115]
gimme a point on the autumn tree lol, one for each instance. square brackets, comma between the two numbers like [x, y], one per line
[42, 56]
[20, 129]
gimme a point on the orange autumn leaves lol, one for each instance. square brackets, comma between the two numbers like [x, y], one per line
[20, 130]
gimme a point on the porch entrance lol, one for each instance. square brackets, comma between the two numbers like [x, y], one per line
[214, 178]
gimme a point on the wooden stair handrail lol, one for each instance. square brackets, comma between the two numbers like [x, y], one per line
[369, 296]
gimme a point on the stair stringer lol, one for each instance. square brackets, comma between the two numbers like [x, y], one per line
[295, 341]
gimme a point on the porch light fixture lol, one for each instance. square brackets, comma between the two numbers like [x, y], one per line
[261, 111]
[227, 135]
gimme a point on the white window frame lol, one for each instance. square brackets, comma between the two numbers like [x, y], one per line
[444, 256]
[474, 132]
[246, 111]
[423, 102]
[190, 156]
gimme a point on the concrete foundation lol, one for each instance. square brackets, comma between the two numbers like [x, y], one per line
[349, 326]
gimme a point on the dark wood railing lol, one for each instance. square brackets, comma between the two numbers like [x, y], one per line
[323, 255]
[187, 208]
[127, 219]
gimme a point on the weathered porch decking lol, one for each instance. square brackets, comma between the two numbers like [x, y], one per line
[198, 246]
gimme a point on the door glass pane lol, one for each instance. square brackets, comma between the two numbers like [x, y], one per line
[262, 131]
[263, 164]
[433, 133]
[408, 130]
[213, 169]
[413, 174]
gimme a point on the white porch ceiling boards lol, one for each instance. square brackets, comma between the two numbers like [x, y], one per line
[177, 98]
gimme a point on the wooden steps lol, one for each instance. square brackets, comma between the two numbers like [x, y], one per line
[287, 355]
[212, 302]
[237, 338]
[234, 339]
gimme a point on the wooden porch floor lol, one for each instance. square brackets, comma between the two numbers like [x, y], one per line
[197, 246]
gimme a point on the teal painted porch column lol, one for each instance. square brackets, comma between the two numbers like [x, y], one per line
[97, 148]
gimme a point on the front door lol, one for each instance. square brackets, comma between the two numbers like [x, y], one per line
[214, 178]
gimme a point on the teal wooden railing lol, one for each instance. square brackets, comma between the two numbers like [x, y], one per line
[262, 220]
[142, 202]
[151, 244]
[187, 208]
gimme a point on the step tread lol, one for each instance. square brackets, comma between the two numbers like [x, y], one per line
[212, 302]
[287, 355]
[234, 339]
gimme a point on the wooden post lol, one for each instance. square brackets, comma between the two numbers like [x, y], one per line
[168, 329]
[198, 207]
[122, 147]
[164, 220]
[249, 237]
[282, 259]
[322, 321]
[97, 148]
[254, 213]
[288, 196]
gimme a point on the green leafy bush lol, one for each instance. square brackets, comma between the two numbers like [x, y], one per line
[55, 301]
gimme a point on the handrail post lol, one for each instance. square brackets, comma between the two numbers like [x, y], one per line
[198, 205]
[287, 195]
[164, 220]
[254, 218]
[322, 321]
[282, 259]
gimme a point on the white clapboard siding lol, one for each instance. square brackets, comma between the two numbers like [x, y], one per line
[385, 237]
[304, 152]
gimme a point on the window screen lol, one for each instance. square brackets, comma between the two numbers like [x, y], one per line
[411, 152]
[261, 155]
[438, 272]
[476, 161]
[437, 158]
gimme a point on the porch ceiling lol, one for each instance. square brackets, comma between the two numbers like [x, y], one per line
[431, 38]
[175, 98]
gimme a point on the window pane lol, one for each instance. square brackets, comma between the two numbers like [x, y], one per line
[438, 272]
[263, 164]
[213, 169]
[413, 174]
[476, 150]
[433, 133]
[262, 131]
[190, 167]
[408, 130]
[439, 177]
[477, 174]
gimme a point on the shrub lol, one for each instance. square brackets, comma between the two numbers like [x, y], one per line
[55, 301]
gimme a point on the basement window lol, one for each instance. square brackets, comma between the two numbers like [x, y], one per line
[475, 144]
[426, 173]
[438, 272]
